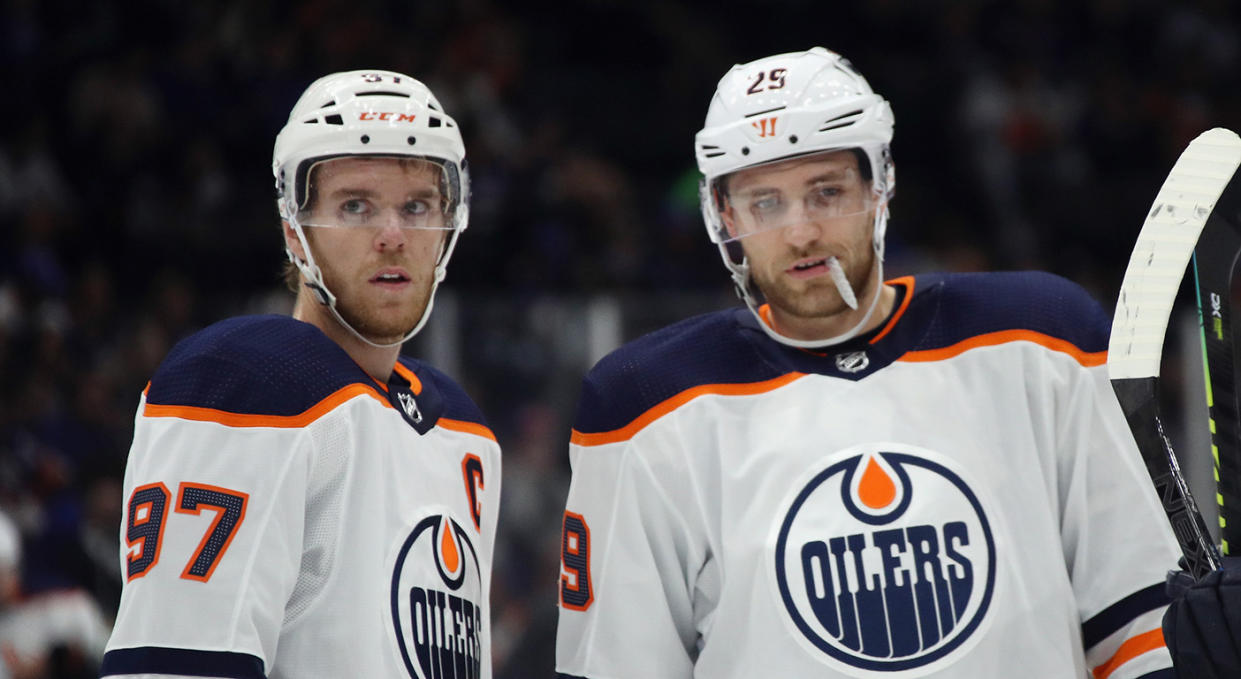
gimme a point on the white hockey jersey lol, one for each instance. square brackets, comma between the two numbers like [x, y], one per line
[288, 516]
[956, 494]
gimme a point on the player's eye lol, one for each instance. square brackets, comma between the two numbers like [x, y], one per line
[417, 207]
[826, 195]
[355, 206]
[355, 212]
[766, 205]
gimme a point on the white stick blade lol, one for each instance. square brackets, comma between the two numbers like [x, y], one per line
[1163, 249]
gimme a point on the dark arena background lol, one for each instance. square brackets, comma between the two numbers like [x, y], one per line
[137, 203]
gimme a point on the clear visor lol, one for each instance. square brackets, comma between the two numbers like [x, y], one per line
[756, 207]
[378, 192]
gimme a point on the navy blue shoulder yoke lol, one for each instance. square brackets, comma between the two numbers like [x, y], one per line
[960, 306]
[254, 365]
[712, 348]
[729, 348]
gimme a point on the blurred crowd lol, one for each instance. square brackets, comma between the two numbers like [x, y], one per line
[136, 199]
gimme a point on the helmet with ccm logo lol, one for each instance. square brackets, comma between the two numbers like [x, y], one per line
[368, 113]
[781, 107]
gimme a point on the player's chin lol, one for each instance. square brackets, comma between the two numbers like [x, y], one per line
[388, 333]
[810, 293]
[820, 302]
[389, 324]
[388, 340]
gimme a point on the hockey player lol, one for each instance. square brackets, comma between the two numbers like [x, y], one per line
[301, 500]
[926, 477]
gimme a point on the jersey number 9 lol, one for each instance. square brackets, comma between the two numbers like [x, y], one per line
[575, 590]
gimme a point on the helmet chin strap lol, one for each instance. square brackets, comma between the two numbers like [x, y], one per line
[314, 281]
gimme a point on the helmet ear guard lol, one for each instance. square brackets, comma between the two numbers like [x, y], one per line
[368, 114]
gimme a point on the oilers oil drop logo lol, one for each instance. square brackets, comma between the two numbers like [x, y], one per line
[885, 561]
[436, 601]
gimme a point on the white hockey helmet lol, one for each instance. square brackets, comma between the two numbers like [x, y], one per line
[781, 107]
[377, 114]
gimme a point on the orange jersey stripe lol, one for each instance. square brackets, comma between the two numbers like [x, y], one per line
[671, 404]
[764, 311]
[415, 384]
[282, 421]
[1003, 337]
[467, 427]
[908, 282]
[1132, 648]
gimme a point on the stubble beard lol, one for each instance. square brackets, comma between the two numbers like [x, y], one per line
[379, 325]
[819, 297]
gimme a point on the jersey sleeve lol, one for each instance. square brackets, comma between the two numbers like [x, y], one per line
[1117, 542]
[640, 578]
[636, 561]
[630, 561]
[224, 456]
[211, 541]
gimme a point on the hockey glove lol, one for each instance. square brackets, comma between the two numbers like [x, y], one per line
[1202, 625]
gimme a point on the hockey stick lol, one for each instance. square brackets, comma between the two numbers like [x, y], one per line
[1215, 260]
[1183, 207]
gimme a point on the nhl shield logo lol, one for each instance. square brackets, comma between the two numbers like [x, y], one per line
[885, 561]
[437, 600]
[410, 406]
[854, 361]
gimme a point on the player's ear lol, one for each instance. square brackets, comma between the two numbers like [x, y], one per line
[291, 240]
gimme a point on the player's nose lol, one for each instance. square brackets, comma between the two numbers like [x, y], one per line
[390, 235]
[803, 231]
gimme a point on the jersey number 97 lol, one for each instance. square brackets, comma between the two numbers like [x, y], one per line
[147, 515]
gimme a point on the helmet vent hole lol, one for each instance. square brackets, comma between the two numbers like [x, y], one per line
[434, 121]
[333, 119]
[841, 121]
[382, 93]
[745, 150]
[792, 139]
[366, 139]
[411, 140]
